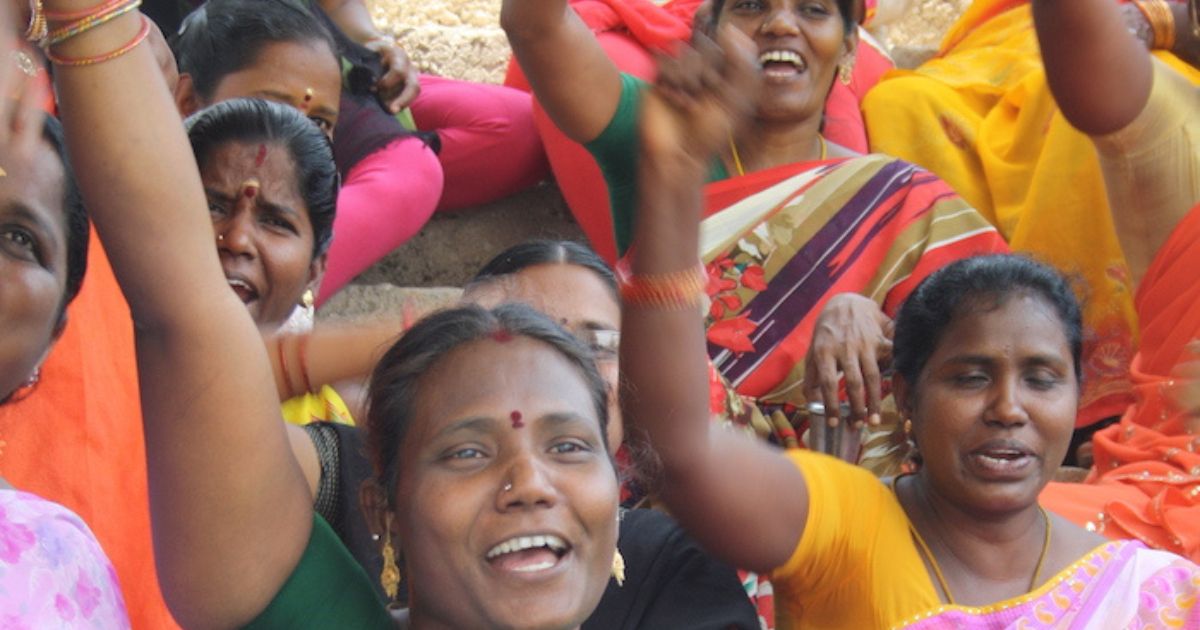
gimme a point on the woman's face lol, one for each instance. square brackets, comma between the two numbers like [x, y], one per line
[304, 75]
[506, 502]
[33, 262]
[578, 299]
[800, 44]
[994, 408]
[264, 236]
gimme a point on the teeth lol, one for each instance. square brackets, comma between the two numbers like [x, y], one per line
[240, 284]
[781, 56]
[521, 543]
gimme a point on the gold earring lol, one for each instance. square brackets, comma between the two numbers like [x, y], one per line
[389, 577]
[307, 300]
[846, 72]
[908, 427]
[618, 567]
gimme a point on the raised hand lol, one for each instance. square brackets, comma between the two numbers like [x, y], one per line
[852, 338]
[400, 83]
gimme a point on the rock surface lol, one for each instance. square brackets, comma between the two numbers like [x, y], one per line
[462, 39]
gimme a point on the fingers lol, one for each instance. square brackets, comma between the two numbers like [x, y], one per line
[28, 118]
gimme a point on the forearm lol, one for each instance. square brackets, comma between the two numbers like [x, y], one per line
[1099, 72]
[353, 18]
[329, 354]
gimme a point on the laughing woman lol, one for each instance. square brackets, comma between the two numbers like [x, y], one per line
[987, 356]
[791, 220]
[529, 540]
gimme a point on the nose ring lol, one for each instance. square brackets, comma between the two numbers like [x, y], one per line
[220, 238]
[507, 487]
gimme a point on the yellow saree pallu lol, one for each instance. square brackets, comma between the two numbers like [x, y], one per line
[981, 117]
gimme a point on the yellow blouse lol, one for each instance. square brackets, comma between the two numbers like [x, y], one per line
[324, 405]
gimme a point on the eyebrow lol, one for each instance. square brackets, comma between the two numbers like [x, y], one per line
[323, 110]
[483, 423]
[977, 359]
[260, 200]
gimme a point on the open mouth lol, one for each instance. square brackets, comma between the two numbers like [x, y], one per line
[528, 554]
[1002, 460]
[244, 290]
[782, 64]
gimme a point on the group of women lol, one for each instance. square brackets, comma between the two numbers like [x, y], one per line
[767, 273]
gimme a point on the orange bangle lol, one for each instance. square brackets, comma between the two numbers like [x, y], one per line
[88, 61]
[54, 16]
[672, 290]
[79, 27]
[1162, 22]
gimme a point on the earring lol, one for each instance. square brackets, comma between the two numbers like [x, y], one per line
[846, 71]
[618, 567]
[307, 301]
[389, 577]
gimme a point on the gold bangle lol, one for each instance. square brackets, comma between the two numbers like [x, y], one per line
[671, 290]
[1162, 22]
[88, 61]
[38, 28]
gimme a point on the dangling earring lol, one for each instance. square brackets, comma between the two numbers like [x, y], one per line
[389, 577]
[618, 567]
[307, 300]
[846, 71]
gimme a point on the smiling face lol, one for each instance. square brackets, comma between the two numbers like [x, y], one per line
[264, 236]
[994, 406]
[800, 44]
[506, 500]
[304, 75]
[578, 299]
[33, 262]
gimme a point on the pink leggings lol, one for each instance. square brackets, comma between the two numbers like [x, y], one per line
[490, 149]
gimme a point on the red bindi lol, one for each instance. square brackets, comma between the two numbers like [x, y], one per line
[502, 335]
[517, 422]
[262, 155]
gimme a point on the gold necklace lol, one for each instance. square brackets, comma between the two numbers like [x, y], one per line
[937, 570]
[737, 159]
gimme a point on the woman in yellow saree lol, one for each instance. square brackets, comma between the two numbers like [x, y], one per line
[980, 115]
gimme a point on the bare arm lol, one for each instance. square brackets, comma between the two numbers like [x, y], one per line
[353, 18]
[1099, 72]
[231, 509]
[662, 349]
[572, 77]
[331, 353]
[400, 83]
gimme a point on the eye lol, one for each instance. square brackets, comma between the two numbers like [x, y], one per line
[466, 452]
[971, 380]
[325, 125]
[747, 6]
[1043, 380]
[21, 243]
[603, 343]
[279, 222]
[571, 446]
[215, 208]
[814, 9]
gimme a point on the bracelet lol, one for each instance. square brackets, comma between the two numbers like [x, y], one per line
[38, 27]
[88, 61]
[676, 289]
[71, 16]
[105, 15]
[1162, 22]
[301, 346]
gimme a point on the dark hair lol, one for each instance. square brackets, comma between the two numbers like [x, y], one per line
[972, 284]
[250, 120]
[75, 215]
[845, 8]
[225, 36]
[396, 379]
[541, 252]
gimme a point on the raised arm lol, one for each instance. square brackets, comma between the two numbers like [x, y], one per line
[230, 507]
[743, 519]
[1099, 72]
[400, 83]
[572, 77]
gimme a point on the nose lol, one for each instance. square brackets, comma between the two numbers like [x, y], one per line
[1006, 406]
[235, 233]
[780, 21]
[527, 485]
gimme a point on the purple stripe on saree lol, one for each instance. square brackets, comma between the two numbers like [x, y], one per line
[809, 275]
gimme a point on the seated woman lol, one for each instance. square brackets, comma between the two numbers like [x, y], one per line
[791, 219]
[1145, 482]
[529, 539]
[982, 116]
[630, 31]
[55, 572]
[987, 354]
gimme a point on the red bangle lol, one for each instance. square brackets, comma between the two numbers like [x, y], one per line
[676, 289]
[88, 61]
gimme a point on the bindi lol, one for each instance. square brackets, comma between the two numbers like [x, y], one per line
[261, 156]
[517, 419]
[250, 188]
[503, 336]
[308, 97]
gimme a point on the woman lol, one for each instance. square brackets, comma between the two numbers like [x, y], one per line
[55, 572]
[792, 219]
[987, 363]
[233, 516]
[1146, 479]
[982, 116]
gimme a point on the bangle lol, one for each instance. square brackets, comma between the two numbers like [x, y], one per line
[88, 61]
[36, 32]
[672, 290]
[106, 14]
[301, 346]
[388, 39]
[283, 371]
[71, 16]
[1162, 22]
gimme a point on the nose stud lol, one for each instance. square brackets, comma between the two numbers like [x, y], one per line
[507, 487]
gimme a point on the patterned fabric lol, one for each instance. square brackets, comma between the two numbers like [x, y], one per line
[1120, 585]
[53, 573]
[324, 405]
[1146, 479]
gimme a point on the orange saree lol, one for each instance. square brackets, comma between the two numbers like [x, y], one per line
[1146, 480]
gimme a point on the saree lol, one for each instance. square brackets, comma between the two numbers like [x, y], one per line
[1146, 480]
[323, 405]
[981, 116]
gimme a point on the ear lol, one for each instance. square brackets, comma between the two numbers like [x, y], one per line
[187, 101]
[316, 273]
[850, 44]
[902, 392]
[372, 500]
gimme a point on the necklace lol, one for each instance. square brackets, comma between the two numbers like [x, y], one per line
[937, 570]
[737, 159]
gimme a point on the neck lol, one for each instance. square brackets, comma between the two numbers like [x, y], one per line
[767, 144]
[984, 558]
